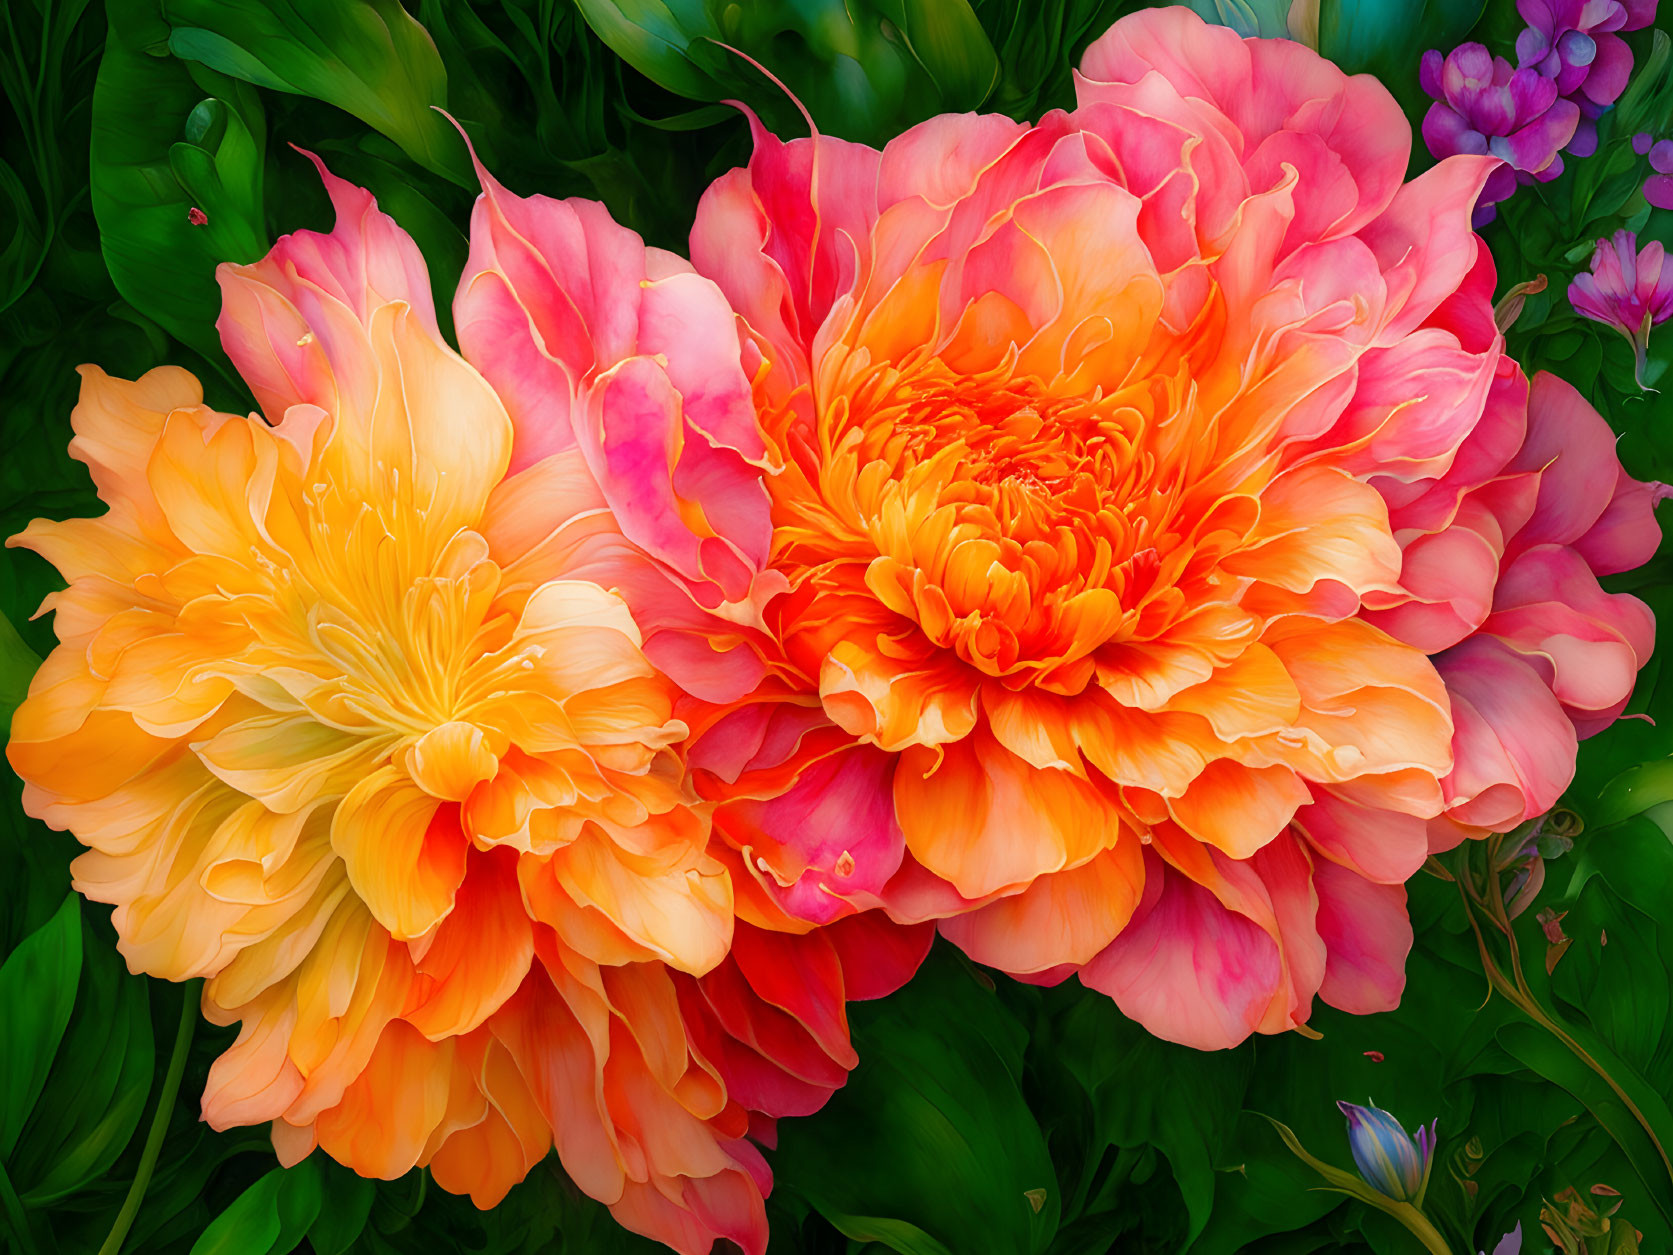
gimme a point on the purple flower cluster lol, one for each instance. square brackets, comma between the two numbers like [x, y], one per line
[1572, 64]
[1574, 43]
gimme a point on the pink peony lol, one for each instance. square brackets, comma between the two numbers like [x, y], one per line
[1175, 558]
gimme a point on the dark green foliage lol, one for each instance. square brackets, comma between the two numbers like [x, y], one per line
[986, 1116]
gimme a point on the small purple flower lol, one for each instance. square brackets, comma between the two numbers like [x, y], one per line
[1628, 290]
[1485, 105]
[1575, 44]
[1511, 1243]
[1390, 1161]
[1658, 188]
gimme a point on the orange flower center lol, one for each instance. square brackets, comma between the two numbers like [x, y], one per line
[1018, 528]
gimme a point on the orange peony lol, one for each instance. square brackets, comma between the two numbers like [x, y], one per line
[1175, 558]
[355, 727]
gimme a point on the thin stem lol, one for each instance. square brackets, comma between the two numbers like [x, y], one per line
[1521, 997]
[159, 1124]
[1422, 1229]
[16, 1221]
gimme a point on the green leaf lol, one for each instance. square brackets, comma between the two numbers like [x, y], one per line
[161, 262]
[368, 57]
[1039, 44]
[96, 1093]
[270, 1218]
[1186, 1109]
[1268, 19]
[930, 1146]
[345, 1203]
[865, 69]
[37, 993]
[17, 667]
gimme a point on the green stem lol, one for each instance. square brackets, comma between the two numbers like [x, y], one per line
[1420, 1228]
[16, 1221]
[159, 1124]
[1520, 996]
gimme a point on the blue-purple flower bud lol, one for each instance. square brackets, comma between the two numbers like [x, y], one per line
[1389, 1160]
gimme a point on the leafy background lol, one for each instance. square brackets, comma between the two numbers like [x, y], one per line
[986, 1116]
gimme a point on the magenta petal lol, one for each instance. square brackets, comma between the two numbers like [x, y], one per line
[1601, 15]
[1501, 185]
[832, 835]
[1467, 70]
[1429, 73]
[1532, 46]
[1577, 49]
[1534, 148]
[1573, 450]
[1608, 75]
[1658, 190]
[1513, 748]
[1187, 968]
[631, 440]
[1532, 93]
[1496, 111]
[1447, 135]
[1626, 534]
[1584, 143]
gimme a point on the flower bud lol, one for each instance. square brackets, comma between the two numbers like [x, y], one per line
[1388, 1159]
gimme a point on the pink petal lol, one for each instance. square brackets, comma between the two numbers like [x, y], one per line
[1367, 937]
[830, 836]
[1186, 968]
[1513, 748]
[1424, 241]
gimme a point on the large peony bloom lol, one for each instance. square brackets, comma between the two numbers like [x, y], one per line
[362, 728]
[1175, 558]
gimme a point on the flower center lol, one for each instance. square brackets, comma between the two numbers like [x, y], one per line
[377, 626]
[1018, 528]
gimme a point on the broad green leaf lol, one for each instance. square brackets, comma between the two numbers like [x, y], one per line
[1186, 1109]
[345, 1203]
[931, 1136]
[17, 667]
[270, 1218]
[1550, 1059]
[368, 57]
[159, 260]
[26, 246]
[96, 1093]
[37, 993]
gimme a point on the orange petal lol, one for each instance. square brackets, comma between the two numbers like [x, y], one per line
[1063, 917]
[405, 853]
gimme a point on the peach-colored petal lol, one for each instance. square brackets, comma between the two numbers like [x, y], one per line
[985, 820]
[1062, 917]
